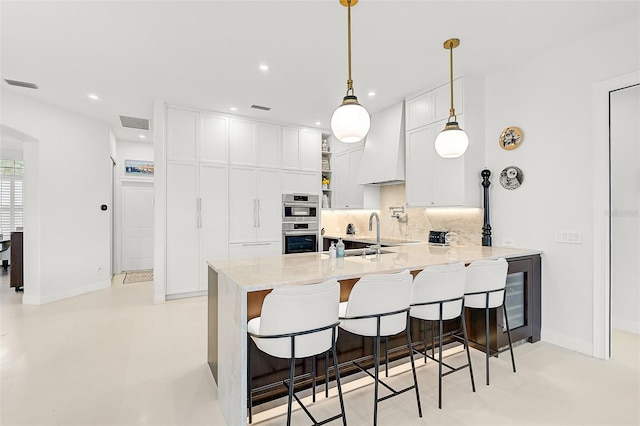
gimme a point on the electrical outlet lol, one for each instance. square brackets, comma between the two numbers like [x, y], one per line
[568, 237]
[508, 242]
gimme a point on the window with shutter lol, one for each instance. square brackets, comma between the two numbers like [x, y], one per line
[11, 196]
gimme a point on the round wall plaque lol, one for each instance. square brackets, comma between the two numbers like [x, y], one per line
[511, 177]
[510, 138]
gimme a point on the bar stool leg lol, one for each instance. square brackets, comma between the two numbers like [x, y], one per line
[249, 382]
[386, 356]
[376, 354]
[291, 378]
[486, 333]
[413, 365]
[466, 345]
[326, 374]
[424, 323]
[440, 361]
[513, 360]
[335, 365]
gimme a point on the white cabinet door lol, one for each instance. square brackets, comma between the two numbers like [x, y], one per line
[213, 141]
[430, 179]
[242, 142]
[269, 145]
[213, 234]
[269, 195]
[182, 228]
[347, 193]
[419, 111]
[442, 100]
[290, 148]
[245, 250]
[255, 205]
[242, 205]
[182, 128]
[301, 182]
[310, 148]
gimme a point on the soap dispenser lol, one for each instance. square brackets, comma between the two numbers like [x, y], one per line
[340, 248]
[332, 251]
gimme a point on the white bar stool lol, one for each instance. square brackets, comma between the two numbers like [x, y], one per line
[299, 321]
[437, 294]
[485, 289]
[378, 306]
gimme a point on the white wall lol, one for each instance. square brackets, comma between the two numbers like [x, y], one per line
[126, 150]
[67, 179]
[550, 98]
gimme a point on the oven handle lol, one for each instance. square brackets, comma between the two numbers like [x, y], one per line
[293, 233]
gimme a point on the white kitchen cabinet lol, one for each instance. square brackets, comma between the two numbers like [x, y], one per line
[196, 225]
[213, 139]
[255, 205]
[347, 193]
[300, 182]
[213, 220]
[182, 130]
[245, 250]
[182, 228]
[433, 105]
[301, 149]
[433, 181]
[254, 144]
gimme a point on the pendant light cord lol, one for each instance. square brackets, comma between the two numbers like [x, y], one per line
[452, 111]
[349, 81]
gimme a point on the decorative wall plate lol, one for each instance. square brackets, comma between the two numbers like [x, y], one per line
[511, 177]
[510, 138]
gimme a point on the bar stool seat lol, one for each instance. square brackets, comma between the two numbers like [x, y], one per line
[485, 289]
[299, 321]
[437, 294]
[378, 306]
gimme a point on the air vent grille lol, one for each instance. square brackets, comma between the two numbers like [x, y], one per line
[134, 123]
[263, 108]
[21, 84]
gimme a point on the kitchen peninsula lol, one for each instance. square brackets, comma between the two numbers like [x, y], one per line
[238, 286]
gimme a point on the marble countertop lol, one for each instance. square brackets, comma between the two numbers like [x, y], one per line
[260, 273]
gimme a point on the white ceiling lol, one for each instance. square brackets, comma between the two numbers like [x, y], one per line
[206, 54]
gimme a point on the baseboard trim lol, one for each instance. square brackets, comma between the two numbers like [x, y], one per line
[40, 299]
[567, 342]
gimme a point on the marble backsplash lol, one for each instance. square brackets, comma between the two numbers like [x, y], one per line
[414, 224]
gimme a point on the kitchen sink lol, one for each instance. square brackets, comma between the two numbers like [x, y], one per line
[367, 251]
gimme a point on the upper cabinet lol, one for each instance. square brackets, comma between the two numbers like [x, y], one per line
[182, 131]
[433, 181]
[301, 149]
[214, 136]
[433, 105]
[254, 144]
[347, 193]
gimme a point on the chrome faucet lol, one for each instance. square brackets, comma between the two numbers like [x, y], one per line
[374, 214]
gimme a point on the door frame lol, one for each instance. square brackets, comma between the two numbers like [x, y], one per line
[602, 211]
[131, 183]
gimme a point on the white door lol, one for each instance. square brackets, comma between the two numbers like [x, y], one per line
[137, 225]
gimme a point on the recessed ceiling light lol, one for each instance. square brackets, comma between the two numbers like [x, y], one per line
[93, 96]
[264, 67]
[233, 108]
[318, 123]
[371, 93]
[142, 136]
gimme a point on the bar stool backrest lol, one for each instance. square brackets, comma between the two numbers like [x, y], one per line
[378, 294]
[482, 276]
[438, 283]
[295, 308]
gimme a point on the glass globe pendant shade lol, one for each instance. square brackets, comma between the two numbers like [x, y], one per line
[350, 122]
[452, 142]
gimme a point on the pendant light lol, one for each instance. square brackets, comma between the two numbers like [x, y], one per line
[350, 122]
[452, 142]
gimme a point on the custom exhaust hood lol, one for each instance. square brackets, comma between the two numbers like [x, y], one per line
[383, 156]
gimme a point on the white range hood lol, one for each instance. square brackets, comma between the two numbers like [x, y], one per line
[383, 156]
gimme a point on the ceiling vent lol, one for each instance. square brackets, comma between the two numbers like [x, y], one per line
[263, 108]
[134, 123]
[21, 84]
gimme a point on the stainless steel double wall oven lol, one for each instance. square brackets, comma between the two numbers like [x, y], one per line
[300, 223]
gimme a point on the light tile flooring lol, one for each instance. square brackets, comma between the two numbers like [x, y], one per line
[113, 358]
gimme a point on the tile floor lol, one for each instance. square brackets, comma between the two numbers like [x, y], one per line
[113, 358]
